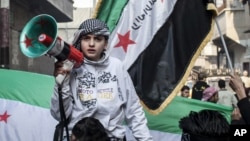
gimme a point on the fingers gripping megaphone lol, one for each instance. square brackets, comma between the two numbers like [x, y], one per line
[39, 37]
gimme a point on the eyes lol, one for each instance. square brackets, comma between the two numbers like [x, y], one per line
[95, 38]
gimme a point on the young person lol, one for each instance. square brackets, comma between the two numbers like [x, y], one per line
[185, 91]
[101, 87]
[226, 97]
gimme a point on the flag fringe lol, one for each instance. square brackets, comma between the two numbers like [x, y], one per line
[97, 8]
[185, 77]
[212, 7]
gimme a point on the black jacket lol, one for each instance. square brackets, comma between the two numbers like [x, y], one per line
[198, 88]
[244, 106]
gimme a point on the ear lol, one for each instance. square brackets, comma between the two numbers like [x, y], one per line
[105, 45]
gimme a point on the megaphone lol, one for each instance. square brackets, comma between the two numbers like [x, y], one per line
[39, 37]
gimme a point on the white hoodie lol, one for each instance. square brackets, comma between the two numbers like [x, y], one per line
[103, 90]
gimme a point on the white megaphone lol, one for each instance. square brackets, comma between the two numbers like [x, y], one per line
[39, 37]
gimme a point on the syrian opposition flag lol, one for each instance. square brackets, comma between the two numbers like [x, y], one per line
[24, 106]
[158, 42]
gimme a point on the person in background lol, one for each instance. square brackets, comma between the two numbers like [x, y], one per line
[89, 129]
[185, 91]
[210, 94]
[100, 88]
[204, 125]
[226, 97]
[243, 100]
[199, 86]
[246, 80]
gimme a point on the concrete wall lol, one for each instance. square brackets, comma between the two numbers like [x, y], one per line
[20, 14]
[66, 30]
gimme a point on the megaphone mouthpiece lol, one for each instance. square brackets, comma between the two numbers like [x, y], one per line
[45, 39]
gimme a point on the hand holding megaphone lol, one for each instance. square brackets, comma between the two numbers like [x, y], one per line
[39, 37]
[62, 69]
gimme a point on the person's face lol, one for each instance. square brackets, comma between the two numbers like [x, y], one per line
[245, 73]
[185, 93]
[92, 46]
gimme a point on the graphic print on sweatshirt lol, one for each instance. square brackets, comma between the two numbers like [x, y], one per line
[96, 86]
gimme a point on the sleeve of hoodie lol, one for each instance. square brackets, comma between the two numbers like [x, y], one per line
[135, 116]
[67, 100]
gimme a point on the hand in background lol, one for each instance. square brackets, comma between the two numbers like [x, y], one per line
[236, 114]
[237, 85]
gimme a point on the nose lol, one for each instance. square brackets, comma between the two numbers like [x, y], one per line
[91, 42]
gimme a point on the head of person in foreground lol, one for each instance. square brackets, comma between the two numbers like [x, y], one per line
[89, 129]
[205, 125]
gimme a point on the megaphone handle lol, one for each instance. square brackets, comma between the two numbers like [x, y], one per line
[67, 65]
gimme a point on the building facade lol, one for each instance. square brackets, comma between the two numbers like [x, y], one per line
[229, 47]
[14, 16]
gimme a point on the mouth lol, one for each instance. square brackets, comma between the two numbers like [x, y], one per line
[91, 51]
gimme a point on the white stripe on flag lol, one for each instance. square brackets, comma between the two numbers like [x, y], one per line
[25, 122]
[157, 136]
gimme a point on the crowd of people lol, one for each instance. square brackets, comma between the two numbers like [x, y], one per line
[98, 97]
[238, 99]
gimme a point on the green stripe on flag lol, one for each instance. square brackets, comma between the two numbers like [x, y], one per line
[110, 11]
[30, 88]
[168, 119]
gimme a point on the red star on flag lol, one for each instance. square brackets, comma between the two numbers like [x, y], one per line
[4, 117]
[28, 41]
[124, 41]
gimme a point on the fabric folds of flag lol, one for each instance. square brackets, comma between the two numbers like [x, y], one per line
[158, 42]
[25, 116]
[24, 106]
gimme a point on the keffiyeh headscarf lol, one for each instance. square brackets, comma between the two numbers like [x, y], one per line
[208, 93]
[94, 26]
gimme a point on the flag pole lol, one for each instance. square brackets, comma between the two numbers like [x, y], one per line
[224, 45]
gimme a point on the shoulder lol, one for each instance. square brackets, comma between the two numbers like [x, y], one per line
[226, 92]
[116, 60]
[201, 83]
